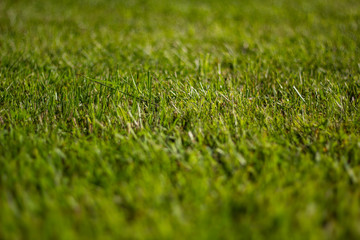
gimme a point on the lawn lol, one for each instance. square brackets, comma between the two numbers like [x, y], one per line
[179, 119]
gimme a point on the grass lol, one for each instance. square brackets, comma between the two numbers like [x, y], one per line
[179, 120]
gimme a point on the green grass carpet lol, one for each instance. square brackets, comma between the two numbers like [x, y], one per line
[179, 119]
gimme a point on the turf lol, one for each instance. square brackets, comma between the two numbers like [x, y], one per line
[179, 119]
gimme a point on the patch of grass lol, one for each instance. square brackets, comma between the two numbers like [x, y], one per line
[179, 120]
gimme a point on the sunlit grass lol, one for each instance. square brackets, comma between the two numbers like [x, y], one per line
[178, 120]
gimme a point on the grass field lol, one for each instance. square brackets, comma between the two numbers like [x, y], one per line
[179, 119]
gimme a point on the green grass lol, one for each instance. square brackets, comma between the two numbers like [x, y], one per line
[180, 119]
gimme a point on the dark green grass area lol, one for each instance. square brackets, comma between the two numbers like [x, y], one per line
[180, 119]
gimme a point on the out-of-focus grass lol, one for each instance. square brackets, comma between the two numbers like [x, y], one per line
[179, 120]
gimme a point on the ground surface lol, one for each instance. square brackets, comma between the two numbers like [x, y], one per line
[180, 119]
